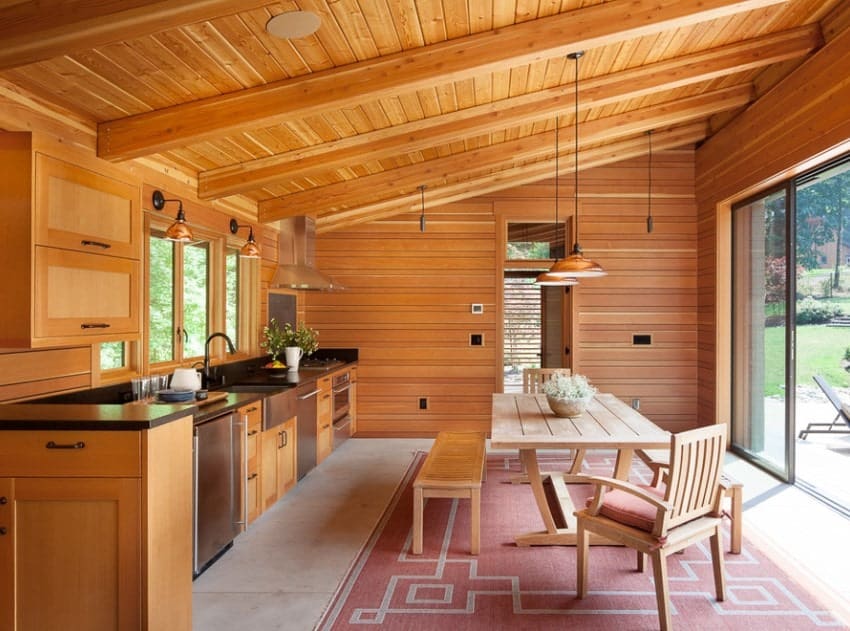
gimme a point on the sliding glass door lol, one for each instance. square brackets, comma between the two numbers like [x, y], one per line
[762, 331]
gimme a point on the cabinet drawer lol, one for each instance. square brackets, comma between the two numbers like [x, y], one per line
[81, 210]
[85, 295]
[70, 453]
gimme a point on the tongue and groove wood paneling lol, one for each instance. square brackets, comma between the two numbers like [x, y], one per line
[408, 297]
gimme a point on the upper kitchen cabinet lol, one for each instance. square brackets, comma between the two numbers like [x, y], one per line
[71, 250]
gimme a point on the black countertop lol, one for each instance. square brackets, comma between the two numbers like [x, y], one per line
[140, 416]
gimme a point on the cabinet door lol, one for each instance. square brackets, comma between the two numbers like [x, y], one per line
[287, 460]
[75, 545]
[269, 467]
[81, 210]
[84, 295]
[7, 557]
[324, 419]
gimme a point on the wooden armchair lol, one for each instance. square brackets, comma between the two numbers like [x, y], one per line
[661, 521]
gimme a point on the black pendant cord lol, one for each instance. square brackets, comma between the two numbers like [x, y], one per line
[422, 216]
[576, 56]
[557, 195]
[649, 224]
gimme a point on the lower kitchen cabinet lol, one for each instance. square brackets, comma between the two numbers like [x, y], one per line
[253, 417]
[96, 529]
[277, 462]
[324, 420]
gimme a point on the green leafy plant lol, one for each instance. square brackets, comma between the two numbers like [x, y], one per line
[562, 386]
[275, 339]
[303, 337]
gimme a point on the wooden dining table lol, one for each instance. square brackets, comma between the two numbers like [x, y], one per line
[525, 422]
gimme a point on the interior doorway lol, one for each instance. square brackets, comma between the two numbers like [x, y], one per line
[537, 319]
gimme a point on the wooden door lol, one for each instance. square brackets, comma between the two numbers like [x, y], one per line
[269, 483]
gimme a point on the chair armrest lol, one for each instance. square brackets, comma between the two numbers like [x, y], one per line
[603, 484]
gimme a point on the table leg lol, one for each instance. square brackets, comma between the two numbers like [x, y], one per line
[552, 535]
[623, 464]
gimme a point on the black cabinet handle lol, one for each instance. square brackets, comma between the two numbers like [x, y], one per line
[94, 325]
[252, 476]
[54, 445]
[97, 244]
[253, 432]
[3, 500]
[2, 530]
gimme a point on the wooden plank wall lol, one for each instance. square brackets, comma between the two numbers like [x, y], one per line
[407, 307]
[804, 121]
[408, 297]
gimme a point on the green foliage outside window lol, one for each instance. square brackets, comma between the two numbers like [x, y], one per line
[195, 298]
[112, 355]
[162, 325]
[231, 296]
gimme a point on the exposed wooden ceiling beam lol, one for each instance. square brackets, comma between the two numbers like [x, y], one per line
[391, 183]
[34, 33]
[430, 132]
[452, 60]
[589, 158]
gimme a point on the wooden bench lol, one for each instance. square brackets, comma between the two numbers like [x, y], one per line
[658, 460]
[453, 468]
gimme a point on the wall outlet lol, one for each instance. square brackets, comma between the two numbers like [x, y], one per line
[477, 308]
[423, 403]
[476, 339]
[636, 404]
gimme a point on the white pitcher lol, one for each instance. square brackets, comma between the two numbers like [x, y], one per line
[186, 379]
[293, 356]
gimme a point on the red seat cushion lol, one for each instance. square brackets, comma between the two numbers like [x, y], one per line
[629, 509]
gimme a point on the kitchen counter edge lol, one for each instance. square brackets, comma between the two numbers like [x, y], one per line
[127, 417]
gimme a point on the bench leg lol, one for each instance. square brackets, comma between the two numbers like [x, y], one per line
[475, 509]
[418, 501]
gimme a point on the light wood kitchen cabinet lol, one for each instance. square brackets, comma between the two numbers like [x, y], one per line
[277, 462]
[96, 529]
[324, 420]
[72, 253]
[352, 399]
[253, 417]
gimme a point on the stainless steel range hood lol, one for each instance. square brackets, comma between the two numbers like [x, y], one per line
[297, 256]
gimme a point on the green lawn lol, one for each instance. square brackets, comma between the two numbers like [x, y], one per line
[820, 349]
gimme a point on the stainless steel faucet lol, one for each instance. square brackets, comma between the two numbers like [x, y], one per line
[205, 375]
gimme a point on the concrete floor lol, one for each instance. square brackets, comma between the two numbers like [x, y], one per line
[282, 572]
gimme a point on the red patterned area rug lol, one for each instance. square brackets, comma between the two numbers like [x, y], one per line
[508, 587]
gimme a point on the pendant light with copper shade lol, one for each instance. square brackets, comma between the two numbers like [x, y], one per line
[576, 265]
[545, 278]
[250, 250]
[179, 230]
[649, 224]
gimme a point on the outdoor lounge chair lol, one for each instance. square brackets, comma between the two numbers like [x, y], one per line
[841, 422]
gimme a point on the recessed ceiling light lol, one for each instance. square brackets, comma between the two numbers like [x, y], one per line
[293, 24]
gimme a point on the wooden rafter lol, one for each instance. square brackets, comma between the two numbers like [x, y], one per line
[391, 183]
[483, 119]
[33, 33]
[452, 60]
[589, 158]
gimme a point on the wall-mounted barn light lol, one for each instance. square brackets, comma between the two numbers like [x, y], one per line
[250, 250]
[179, 230]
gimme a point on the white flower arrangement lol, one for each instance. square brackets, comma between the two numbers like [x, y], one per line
[569, 387]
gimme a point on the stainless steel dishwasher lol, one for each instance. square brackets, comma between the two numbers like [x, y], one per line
[219, 503]
[306, 431]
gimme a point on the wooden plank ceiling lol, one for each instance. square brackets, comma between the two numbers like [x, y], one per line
[461, 96]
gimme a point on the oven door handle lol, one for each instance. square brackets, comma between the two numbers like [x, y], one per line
[343, 389]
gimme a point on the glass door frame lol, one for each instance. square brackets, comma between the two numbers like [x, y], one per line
[785, 473]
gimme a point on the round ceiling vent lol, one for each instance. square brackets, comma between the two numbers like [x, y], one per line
[293, 24]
